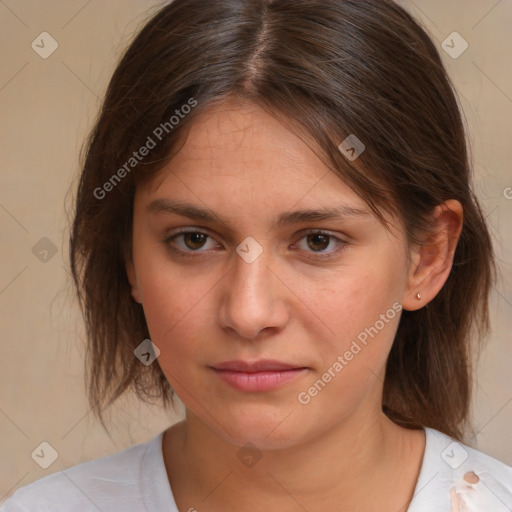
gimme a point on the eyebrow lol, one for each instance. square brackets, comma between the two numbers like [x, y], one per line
[195, 212]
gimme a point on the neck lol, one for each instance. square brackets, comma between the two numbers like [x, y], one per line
[349, 462]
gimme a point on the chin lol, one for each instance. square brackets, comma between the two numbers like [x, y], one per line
[267, 431]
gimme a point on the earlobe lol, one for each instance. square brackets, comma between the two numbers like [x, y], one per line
[431, 262]
[132, 278]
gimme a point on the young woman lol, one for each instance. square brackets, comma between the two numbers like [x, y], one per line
[277, 194]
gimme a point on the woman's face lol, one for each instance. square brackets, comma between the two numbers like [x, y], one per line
[254, 283]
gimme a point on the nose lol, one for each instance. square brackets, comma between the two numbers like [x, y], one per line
[253, 299]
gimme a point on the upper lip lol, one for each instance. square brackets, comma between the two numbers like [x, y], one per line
[255, 366]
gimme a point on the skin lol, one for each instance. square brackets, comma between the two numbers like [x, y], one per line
[339, 451]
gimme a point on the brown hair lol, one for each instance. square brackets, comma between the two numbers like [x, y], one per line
[330, 68]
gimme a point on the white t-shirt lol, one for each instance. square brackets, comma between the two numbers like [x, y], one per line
[135, 480]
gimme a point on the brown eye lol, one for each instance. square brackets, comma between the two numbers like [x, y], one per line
[318, 241]
[194, 240]
[187, 243]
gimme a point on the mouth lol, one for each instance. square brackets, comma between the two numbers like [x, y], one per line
[258, 376]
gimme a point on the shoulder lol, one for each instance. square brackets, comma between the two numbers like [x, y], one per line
[91, 485]
[455, 476]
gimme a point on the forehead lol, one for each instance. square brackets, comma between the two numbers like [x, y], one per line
[244, 141]
[239, 161]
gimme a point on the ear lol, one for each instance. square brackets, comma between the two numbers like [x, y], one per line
[132, 278]
[431, 262]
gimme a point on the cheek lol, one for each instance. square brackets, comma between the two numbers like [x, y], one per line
[177, 305]
[171, 302]
[170, 307]
[362, 314]
[361, 308]
[351, 301]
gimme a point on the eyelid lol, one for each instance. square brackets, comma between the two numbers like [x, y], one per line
[327, 254]
[183, 231]
[302, 234]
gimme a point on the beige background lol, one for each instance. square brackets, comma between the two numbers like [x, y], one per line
[47, 107]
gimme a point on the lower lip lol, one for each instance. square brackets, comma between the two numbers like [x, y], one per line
[259, 381]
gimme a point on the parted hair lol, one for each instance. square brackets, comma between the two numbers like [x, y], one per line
[328, 68]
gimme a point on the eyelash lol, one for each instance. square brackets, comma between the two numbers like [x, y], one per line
[195, 254]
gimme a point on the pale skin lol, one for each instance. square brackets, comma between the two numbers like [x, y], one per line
[338, 452]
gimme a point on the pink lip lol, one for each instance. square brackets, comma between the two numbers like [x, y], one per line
[262, 375]
[237, 365]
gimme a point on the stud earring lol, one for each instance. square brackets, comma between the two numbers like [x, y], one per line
[418, 296]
